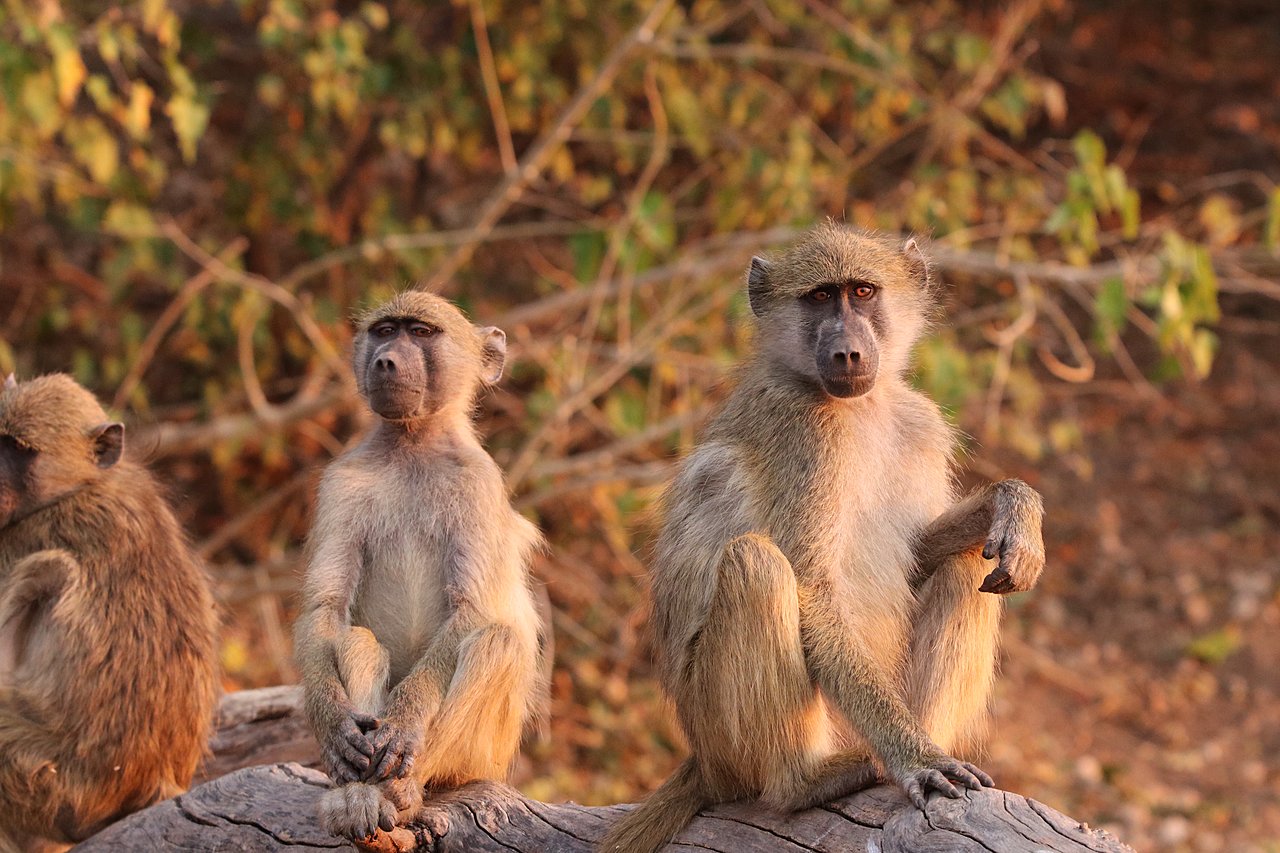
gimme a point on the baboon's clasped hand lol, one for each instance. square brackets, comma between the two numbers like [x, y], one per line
[349, 752]
[1015, 538]
[395, 746]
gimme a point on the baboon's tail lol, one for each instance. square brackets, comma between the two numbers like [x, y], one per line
[652, 825]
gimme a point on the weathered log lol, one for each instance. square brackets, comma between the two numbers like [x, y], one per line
[255, 727]
[273, 807]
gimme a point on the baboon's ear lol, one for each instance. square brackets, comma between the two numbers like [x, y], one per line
[917, 263]
[493, 355]
[10, 381]
[108, 444]
[758, 284]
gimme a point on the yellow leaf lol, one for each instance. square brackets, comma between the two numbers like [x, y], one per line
[68, 68]
[138, 117]
[41, 105]
[94, 147]
[129, 220]
[189, 118]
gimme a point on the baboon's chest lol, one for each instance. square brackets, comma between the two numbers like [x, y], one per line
[407, 555]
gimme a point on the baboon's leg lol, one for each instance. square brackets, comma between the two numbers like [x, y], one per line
[363, 667]
[953, 653]
[837, 776]
[476, 733]
[754, 721]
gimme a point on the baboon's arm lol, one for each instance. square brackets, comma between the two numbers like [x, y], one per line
[326, 595]
[1004, 519]
[856, 686]
[860, 691]
[34, 578]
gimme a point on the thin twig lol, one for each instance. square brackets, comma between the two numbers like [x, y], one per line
[540, 153]
[165, 322]
[492, 92]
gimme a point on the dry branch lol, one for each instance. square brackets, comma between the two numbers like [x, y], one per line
[273, 807]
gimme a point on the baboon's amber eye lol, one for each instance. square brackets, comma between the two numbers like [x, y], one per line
[864, 291]
[819, 295]
[422, 330]
[382, 330]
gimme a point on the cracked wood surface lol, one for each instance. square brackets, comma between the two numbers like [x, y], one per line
[240, 806]
[273, 808]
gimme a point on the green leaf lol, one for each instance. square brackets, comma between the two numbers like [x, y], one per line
[1111, 306]
[1215, 646]
[1089, 149]
[1272, 233]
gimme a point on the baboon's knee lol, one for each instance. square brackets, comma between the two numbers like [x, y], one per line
[494, 650]
[754, 569]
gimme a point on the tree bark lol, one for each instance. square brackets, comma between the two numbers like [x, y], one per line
[273, 807]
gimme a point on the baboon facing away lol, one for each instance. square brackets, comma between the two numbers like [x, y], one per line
[107, 625]
[825, 610]
[418, 640]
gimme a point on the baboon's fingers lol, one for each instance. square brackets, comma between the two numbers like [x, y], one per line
[960, 772]
[981, 774]
[936, 780]
[340, 769]
[997, 539]
[388, 766]
[357, 760]
[356, 739]
[998, 583]
[914, 793]
[365, 722]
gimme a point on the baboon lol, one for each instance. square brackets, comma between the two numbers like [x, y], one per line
[107, 625]
[819, 601]
[418, 640]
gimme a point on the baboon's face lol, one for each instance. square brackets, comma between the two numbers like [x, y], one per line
[410, 369]
[839, 325]
[417, 366]
[54, 440]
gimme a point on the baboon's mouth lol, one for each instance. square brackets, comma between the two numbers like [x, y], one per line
[394, 400]
[845, 385]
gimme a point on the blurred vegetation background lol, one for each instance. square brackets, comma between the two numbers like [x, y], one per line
[194, 196]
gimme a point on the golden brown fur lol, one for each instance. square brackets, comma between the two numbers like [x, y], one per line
[418, 640]
[815, 582]
[107, 626]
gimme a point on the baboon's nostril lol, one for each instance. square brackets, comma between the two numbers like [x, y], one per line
[385, 364]
[845, 359]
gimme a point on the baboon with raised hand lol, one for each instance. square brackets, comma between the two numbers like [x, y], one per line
[419, 640]
[107, 625]
[821, 599]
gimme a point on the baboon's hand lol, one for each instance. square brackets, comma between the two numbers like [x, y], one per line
[938, 774]
[1015, 537]
[395, 746]
[348, 751]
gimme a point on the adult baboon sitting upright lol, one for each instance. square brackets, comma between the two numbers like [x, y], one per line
[107, 625]
[819, 600]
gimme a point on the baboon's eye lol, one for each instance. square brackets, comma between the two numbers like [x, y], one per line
[864, 291]
[383, 330]
[422, 330]
[822, 294]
